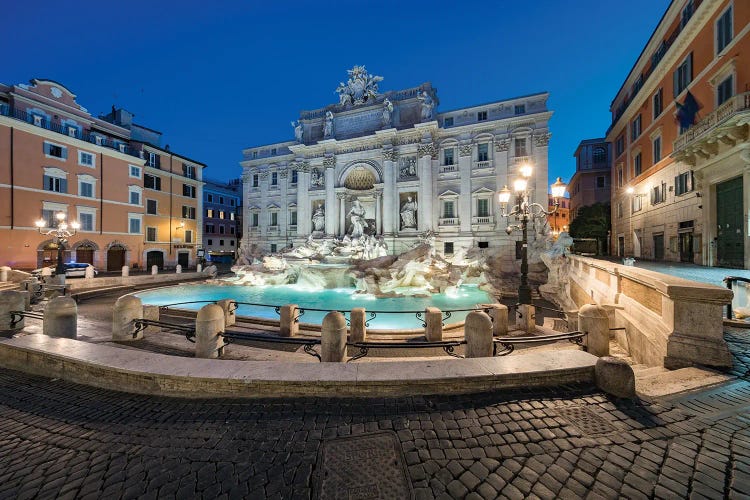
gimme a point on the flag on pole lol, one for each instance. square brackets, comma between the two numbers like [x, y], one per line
[687, 111]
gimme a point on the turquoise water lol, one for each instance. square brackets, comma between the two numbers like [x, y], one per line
[342, 299]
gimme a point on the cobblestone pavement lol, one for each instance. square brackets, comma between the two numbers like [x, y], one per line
[63, 440]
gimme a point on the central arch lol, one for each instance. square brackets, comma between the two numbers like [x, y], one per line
[359, 166]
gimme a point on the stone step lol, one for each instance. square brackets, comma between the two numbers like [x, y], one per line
[643, 371]
[675, 381]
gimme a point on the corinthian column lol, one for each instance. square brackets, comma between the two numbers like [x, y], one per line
[329, 163]
[464, 199]
[389, 190]
[424, 213]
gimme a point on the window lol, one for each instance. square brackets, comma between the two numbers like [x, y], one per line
[724, 30]
[209, 228]
[188, 212]
[520, 109]
[256, 182]
[683, 183]
[188, 171]
[55, 151]
[683, 75]
[658, 102]
[274, 178]
[481, 116]
[273, 151]
[600, 181]
[134, 225]
[231, 215]
[483, 207]
[221, 243]
[273, 247]
[657, 150]
[153, 160]
[294, 176]
[231, 243]
[134, 196]
[231, 230]
[222, 230]
[56, 184]
[152, 182]
[448, 156]
[274, 219]
[619, 210]
[659, 193]
[483, 153]
[188, 190]
[255, 154]
[221, 200]
[599, 155]
[210, 198]
[151, 207]
[221, 214]
[188, 236]
[292, 218]
[636, 204]
[635, 128]
[448, 122]
[620, 145]
[49, 216]
[637, 166]
[85, 189]
[231, 202]
[150, 234]
[135, 172]
[210, 242]
[449, 209]
[448, 248]
[725, 90]
[483, 244]
[520, 145]
[687, 13]
[86, 220]
[85, 159]
[619, 176]
[255, 221]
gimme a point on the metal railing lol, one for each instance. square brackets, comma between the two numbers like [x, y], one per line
[307, 344]
[509, 343]
[141, 324]
[735, 104]
[364, 347]
[17, 316]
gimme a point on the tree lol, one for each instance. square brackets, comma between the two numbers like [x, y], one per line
[592, 221]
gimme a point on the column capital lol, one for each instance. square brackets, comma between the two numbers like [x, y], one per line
[427, 149]
[465, 149]
[390, 155]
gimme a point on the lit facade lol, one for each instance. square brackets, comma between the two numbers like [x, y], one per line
[592, 180]
[409, 170]
[559, 221]
[222, 228]
[682, 192]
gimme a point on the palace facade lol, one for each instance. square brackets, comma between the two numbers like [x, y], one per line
[390, 165]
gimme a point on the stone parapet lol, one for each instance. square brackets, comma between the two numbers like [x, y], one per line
[110, 281]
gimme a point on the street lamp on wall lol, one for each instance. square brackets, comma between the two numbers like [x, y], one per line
[524, 211]
[61, 233]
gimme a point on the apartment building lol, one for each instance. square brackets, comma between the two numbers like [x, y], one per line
[559, 221]
[592, 179]
[222, 203]
[679, 129]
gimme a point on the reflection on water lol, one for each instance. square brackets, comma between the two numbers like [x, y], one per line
[343, 299]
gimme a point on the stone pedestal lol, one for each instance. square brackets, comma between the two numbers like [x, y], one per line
[357, 325]
[209, 323]
[615, 376]
[199, 268]
[333, 338]
[594, 321]
[4, 273]
[178, 269]
[126, 309]
[61, 318]
[230, 313]
[526, 318]
[154, 269]
[125, 271]
[11, 300]
[288, 324]
[499, 315]
[433, 330]
[478, 334]
[89, 273]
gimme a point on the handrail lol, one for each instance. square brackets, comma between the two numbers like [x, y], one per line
[17, 316]
[141, 324]
[364, 347]
[307, 344]
[509, 343]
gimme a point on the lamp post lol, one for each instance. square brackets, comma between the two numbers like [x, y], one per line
[525, 211]
[61, 234]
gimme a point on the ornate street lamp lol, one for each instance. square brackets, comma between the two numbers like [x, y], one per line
[61, 233]
[525, 211]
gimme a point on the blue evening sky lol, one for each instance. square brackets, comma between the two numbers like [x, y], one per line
[219, 76]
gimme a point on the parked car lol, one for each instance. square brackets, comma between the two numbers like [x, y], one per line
[72, 270]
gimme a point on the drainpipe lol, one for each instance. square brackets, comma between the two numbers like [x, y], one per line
[12, 183]
[101, 195]
[170, 204]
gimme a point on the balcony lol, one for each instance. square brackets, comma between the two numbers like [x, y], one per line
[448, 221]
[445, 169]
[482, 164]
[520, 160]
[483, 221]
[36, 120]
[726, 123]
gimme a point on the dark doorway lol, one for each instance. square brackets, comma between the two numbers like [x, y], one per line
[85, 254]
[686, 241]
[154, 258]
[182, 259]
[115, 258]
[730, 240]
[621, 246]
[659, 246]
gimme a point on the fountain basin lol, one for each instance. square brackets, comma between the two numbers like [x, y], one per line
[393, 313]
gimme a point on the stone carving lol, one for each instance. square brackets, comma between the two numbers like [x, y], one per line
[298, 131]
[328, 126]
[359, 88]
[541, 140]
[428, 149]
[263, 176]
[301, 166]
[317, 178]
[409, 213]
[387, 113]
[502, 145]
[390, 155]
[357, 217]
[403, 141]
[319, 218]
[465, 150]
[283, 173]
[407, 167]
[427, 105]
[329, 162]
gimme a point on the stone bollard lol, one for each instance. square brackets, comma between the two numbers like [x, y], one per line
[478, 335]
[35, 290]
[615, 376]
[209, 323]
[499, 315]
[289, 321]
[594, 321]
[126, 309]
[526, 318]
[572, 318]
[4, 273]
[199, 268]
[125, 271]
[357, 329]
[151, 312]
[26, 299]
[11, 300]
[88, 273]
[154, 270]
[333, 338]
[46, 272]
[61, 318]
[433, 329]
[178, 269]
[229, 308]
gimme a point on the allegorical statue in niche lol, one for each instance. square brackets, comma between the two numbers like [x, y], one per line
[319, 218]
[409, 214]
[328, 126]
[357, 217]
[317, 178]
[387, 112]
[298, 131]
[427, 105]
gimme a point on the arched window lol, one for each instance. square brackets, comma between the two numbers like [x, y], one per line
[600, 155]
